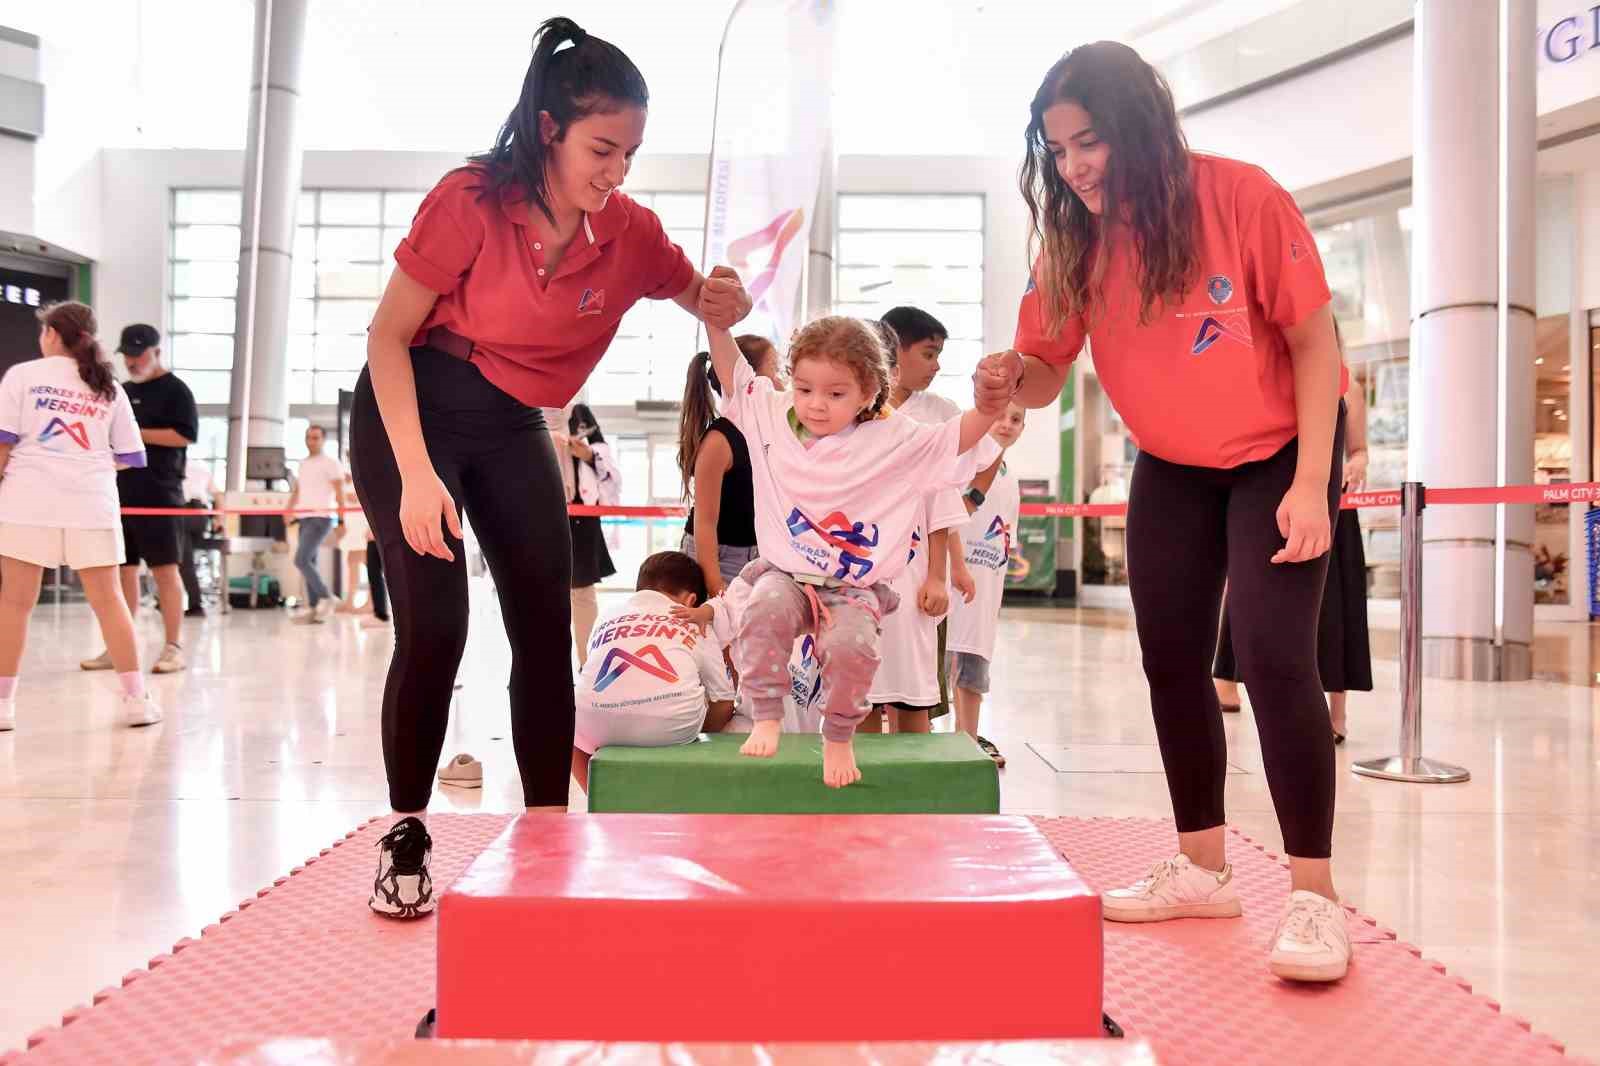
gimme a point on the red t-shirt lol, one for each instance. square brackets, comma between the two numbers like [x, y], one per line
[534, 337]
[1209, 380]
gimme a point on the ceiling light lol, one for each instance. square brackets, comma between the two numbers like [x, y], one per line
[1548, 402]
[1539, 361]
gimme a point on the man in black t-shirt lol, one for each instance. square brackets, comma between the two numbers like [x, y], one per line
[169, 422]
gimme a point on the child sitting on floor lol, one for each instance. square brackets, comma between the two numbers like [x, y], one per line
[837, 489]
[650, 680]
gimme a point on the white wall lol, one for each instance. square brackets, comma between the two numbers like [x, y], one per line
[16, 196]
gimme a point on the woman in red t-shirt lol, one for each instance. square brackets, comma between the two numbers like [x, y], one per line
[1200, 287]
[510, 285]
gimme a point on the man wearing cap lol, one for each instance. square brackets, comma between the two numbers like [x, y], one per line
[169, 422]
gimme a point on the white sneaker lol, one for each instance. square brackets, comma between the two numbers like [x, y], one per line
[99, 662]
[325, 609]
[1312, 942]
[170, 662]
[1174, 888]
[140, 710]
[8, 715]
[306, 617]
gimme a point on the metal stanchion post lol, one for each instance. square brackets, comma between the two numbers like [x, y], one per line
[1409, 765]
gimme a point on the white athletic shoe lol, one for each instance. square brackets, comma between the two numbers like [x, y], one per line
[403, 888]
[171, 661]
[8, 715]
[99, 662]
[325, 609]
[306, 617]
[1174, 888]
[1312, 942]
[140, 710]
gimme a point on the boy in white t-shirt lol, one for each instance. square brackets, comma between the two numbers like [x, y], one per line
[66, 427]
[318, 487]
[651, 680]
[837, 487]
[995, 501]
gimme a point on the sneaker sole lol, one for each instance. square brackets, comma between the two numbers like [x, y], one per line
[400, 914]
[1229, 909]
[470, 782]
[1309, 972]
[159, 669]
[96, 666]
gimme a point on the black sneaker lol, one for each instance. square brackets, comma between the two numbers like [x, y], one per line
[403, 888]
[993, 752]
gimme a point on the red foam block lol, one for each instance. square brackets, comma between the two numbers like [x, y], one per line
[655, 927]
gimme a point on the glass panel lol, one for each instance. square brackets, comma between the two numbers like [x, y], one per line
[691, 241]
[328, 385]
[930, 249]
[220, 206]
[302, 316]
[1553, 577]
[400, 207]
[666, 483]
[202, 316]
[680, 209]
[305, 247]
[388, 243]
[306, 211]
[633, 466]
[300, 391]
[208, 386]
[349, 279]
[341, 352]
[347, 245]
[606, 388]
[206, 242]
[206, 277]
[911, 284]
[344, 316]
[341, 208]
[212, 443]
[303, 278]
[201, 351]
[302, 351]
[911, 212]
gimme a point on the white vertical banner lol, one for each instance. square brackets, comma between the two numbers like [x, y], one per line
[770, 143]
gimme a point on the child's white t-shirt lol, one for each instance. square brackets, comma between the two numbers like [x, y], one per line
[644, 662]
[908, 667]
[845, 507]
[987, 538]
[66, 443]
[317, 479]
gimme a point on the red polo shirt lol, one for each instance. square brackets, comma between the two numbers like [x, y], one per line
[537, 337]
[1209, 380]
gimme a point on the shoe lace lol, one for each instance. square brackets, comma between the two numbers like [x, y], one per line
[1159, 874]
[408, 843]
[1302, 923]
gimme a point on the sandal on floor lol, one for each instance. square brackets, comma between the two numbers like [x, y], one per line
[993, 752]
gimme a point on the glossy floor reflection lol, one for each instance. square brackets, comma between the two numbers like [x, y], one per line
[128, 840]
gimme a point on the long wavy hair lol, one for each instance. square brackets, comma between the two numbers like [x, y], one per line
[699, 408]
[591, 77]
[75, 324]
[1148, 187]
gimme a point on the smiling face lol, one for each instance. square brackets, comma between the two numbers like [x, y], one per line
[1008, 430]
[827, 395]
[593, 158]
[1082, 158]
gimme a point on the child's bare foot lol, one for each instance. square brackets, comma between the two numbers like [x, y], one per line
[763, 742]
[839, 763]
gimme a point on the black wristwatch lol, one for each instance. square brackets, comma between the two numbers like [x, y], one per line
[975, 495]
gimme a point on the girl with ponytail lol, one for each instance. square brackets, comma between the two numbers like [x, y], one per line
[509, 288]
[66, 427]
[715, 463]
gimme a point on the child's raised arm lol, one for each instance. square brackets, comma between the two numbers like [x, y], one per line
[724, 356]
[974, 426]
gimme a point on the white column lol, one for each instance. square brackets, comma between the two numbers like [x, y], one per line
[259, 401]
[824, 227]
[1472, 338]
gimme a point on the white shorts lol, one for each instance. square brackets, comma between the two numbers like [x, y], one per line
[599, 727]
[50, 546]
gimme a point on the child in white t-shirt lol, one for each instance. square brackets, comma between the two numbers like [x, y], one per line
[65, 429]
[651, 680]
[995, 502]
[837, 489]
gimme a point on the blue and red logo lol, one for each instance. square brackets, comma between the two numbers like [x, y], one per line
[850, 539]
[1219, 288]
[649, 659]
[74, 430]
[1213, 330]
[916, 539]
[997, 528]
[592, 302]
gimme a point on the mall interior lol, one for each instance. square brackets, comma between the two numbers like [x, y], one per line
[1445, 156]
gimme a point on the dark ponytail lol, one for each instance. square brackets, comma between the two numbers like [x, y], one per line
[593, 76]
[699, 400]
[75, 324]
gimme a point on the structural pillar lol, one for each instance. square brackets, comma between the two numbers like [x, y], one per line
[1472, 338]
[259, 406]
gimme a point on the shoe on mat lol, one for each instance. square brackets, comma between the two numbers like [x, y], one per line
[463, 771]
[1174, 888]
[993, 752]
[140, 710]
[170, 662]
[99, 662]
[1312, 942]
[403, 888]
[8, 715]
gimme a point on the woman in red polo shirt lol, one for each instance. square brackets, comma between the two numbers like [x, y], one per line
[509, 288]
[1200, 287]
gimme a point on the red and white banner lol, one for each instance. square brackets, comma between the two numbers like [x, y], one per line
[773, 116]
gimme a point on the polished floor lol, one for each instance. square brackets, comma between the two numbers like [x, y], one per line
[127, 840]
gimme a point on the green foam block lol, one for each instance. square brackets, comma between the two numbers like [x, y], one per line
[932, 773]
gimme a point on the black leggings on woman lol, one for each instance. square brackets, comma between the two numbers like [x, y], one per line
[1190, 529]
[496, 459]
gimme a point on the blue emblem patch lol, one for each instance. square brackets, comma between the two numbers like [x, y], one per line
[1219, 288]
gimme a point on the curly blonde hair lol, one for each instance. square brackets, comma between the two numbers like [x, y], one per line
[854, 345]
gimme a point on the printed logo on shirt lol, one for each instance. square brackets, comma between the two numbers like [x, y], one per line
[916, 538]
[1297, 251]
[74, 430]
[1219, 288]
[1030, 287]
[592, 302]
[850, 539]
[1213, 330]
[649, 659]
[994, 549]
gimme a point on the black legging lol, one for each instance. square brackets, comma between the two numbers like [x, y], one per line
[375, 587]
[1189, 529]
[496, 459]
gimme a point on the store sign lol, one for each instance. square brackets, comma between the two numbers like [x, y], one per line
[1572, 38]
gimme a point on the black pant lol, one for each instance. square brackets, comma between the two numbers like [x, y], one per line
[194, 530]
[1189, 529]
[496, 459]
[375, 587]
